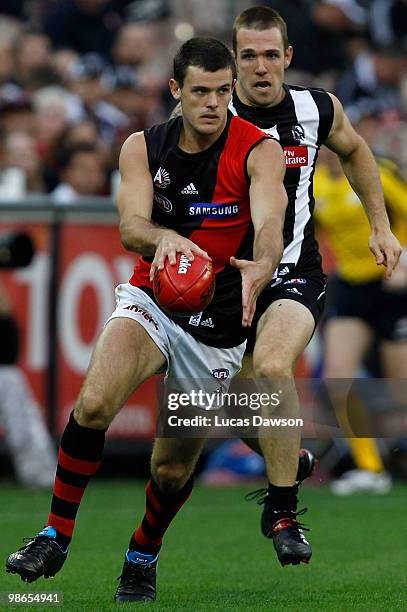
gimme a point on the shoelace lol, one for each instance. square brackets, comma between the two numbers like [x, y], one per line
[132, 571]
[263, 492]
[293, 517]
[40, 544]
[261, 496]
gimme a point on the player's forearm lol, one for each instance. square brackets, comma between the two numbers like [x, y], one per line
[362, 173]
[268, 243]
[141, 236]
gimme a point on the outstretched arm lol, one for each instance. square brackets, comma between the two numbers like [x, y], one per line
[135, 202]
[362, 173]
[268, 202]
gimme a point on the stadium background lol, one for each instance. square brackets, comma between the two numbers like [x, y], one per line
[78, 76]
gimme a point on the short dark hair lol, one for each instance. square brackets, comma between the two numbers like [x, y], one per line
[260, 18]
[207, 53]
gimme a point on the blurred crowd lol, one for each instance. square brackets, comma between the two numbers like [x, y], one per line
[78, 76]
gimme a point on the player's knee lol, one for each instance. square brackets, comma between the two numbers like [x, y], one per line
[93, 410]
[170, 477]
[272, 368]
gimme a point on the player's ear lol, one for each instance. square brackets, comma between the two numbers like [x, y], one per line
[288, 56]
[175, 89]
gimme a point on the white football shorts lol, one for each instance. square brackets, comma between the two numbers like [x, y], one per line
[190, 363]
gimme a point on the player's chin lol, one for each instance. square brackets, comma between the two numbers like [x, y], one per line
[209, 127]
[263, 96]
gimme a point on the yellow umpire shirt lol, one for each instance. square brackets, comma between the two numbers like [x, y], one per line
[340, 213]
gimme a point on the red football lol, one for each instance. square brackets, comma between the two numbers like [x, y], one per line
[187, 286]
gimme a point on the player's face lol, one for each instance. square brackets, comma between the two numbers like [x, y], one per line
[204, 97]
[261, 62]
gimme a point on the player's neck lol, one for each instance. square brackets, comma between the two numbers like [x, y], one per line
[192, 141]
[249, 102]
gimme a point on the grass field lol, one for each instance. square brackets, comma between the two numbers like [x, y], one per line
[214, 556]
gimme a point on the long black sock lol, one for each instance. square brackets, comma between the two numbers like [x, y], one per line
[282, 500]
[161, 508]
[79, 458]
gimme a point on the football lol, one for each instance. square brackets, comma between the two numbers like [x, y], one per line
[185, 287]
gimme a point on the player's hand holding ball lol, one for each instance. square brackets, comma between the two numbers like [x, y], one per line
[188, 286]
[182, 275]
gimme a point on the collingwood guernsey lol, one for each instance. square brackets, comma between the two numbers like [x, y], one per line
[301, 122]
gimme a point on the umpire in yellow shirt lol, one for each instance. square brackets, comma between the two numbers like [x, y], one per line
[365, 306]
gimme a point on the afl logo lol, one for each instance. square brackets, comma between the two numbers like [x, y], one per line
[298, 133]
[162, 202]
[221, 373]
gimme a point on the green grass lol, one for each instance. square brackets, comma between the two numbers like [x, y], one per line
[214, 557]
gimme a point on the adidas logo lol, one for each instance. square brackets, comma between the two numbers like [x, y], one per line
[189, 189]
[208, 323]
[294, 290]
[284, 271]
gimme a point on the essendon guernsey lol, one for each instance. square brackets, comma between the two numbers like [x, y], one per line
[205, 197]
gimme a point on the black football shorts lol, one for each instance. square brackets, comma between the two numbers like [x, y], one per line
[308, 289]
[385, 311]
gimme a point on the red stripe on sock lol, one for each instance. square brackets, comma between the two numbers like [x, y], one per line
[63, 525]
[156, 522]
[151, 518]
[68, 492]
[86, 468]
[145, 542]
[160, 524]
[154, 501]
[174, 508]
